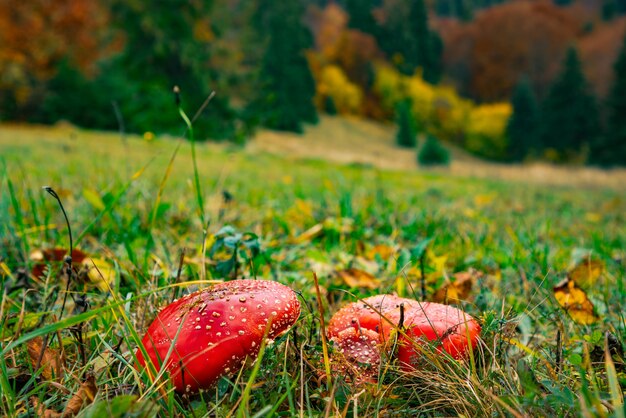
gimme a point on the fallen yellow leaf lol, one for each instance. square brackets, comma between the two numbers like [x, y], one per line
[586, 272]
[100, 273]
[575, 302]
[358, 278]
[385, 252]
[593, 217]
[457, 290]
[483, 199]
[309, 234]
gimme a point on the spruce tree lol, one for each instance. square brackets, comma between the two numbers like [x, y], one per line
[522, 127]
[406, 135]
[408, 41]
[569, 113]
[288, 86]
[361, 18]
[159, 53]
[610, 149]
[433, 153]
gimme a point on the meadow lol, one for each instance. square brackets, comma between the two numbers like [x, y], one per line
[152, 224]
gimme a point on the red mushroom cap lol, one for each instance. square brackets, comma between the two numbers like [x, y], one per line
[216, 329]
[455, 329]
[370, 313]
[356, 355]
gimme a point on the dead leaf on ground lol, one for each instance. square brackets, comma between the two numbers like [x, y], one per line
[100, 273]
[575, 302]
[308, 235]
[385, 252]
[42, 258]
[484, 199]
[85, 395]
[457, 290]
[358, 278]
[41, 411]
[586, 272]
[51, 364]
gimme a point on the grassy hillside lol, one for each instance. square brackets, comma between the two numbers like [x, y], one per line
[133, 207]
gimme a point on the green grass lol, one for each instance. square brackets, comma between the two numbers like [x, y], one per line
[135, 205]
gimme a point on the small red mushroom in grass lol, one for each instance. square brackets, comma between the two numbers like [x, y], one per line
[455, 331]
[214, 330]
[357, 354]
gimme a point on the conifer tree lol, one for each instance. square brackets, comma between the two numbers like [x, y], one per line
[522, 127]
[406, 136]
[569, 113]
[288, 86]
[610, 149]
[409, 35]
[361, 18]
[164, 51]
[433, 153]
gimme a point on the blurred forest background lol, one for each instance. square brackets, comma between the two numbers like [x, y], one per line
[505, 80]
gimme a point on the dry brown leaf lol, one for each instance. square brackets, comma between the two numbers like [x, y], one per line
[85, 395]
[51, 364]
[42, 258]
[586, 272]
[575, 301]
[42, 411]
[358, 278]
[458, 290]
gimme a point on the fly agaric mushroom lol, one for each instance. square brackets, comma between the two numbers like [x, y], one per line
[214, 330]
[454, 329]
[357, 354]
[369, 313]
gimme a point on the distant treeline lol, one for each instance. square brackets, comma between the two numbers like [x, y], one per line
[509, 81]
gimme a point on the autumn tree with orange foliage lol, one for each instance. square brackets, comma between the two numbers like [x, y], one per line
[488, 55]
[352, 51]
[36, 35]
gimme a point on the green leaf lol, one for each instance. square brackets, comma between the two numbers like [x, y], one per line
[617, 397]
[93, 198]
[575, 359]
[420, 249]
[120, 406]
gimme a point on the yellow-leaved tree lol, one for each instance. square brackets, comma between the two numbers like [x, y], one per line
[485, 134]
[440, 111]
[333, 84]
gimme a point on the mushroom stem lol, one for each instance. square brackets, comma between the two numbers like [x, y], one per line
[323, 326]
